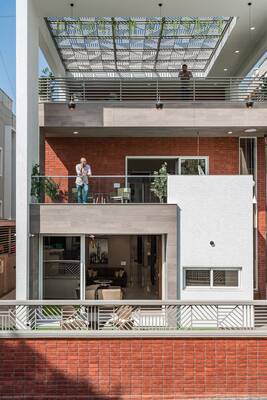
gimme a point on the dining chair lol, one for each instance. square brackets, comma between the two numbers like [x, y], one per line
[110, 294]
[90, 292]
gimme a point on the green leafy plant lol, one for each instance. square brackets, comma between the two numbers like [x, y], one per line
[175, 25]
[159, 183]
[131, 27]
[46, 84]
[91, 27]
[102, 26]
[42, 186]
[60, 26]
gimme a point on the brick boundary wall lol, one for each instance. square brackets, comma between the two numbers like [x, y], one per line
[122, 369]
[107, 157]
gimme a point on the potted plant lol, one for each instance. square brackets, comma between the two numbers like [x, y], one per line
[43, 186]
[159, 183]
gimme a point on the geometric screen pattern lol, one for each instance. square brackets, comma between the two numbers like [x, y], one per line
[138, 44]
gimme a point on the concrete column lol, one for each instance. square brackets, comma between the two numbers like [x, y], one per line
[27, 42]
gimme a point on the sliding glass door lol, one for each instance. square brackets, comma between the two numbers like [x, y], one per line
[61, 267]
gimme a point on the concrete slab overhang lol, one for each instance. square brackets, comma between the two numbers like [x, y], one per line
[138, 115]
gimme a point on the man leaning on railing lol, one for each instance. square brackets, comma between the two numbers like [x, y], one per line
[83, 170]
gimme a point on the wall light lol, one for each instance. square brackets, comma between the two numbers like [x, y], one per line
[249, 104]
[250, 130]
[159, 105]
[71, 103]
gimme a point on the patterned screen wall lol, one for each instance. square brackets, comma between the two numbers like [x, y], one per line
[138, 44]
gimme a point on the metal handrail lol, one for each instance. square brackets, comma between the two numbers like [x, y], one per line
[233, 89]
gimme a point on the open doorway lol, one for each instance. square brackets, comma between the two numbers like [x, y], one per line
[139, 171]
[106, 267]
[123, 267]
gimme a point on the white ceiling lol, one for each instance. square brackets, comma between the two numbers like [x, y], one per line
[250, 44]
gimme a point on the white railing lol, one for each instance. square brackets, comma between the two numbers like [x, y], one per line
[132, 317]
[233, 89]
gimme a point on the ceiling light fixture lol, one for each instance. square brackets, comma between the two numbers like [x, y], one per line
[237, 51]
[250, 130]
[159, 105]
[225, 69]
[252, 28]
[249, 102]
[229, 132]
[75, 133]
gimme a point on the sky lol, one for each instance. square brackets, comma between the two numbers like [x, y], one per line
[8, 48]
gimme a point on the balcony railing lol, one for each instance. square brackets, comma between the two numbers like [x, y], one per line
[101, 189]
[136, 318]
[235, 89]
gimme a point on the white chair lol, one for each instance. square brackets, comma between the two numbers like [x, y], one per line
[90, 292]
[122, 195]
[110, 294]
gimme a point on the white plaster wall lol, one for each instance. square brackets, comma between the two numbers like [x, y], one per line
[27, 138]
[219, 209]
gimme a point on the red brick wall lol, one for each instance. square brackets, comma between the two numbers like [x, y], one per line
[134, 369]
[107, 157]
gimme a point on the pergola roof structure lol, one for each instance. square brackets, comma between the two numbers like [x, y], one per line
[143, 45]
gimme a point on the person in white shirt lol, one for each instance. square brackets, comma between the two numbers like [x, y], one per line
[83, 170]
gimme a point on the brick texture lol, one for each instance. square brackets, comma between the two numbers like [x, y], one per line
[107, 157]
[133, 368]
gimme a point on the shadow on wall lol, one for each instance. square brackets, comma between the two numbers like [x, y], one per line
[55, 369]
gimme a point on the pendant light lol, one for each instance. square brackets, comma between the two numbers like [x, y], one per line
[159, 104]
[71, 103]
[250, 102]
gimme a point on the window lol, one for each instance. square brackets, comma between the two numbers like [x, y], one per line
[195, 277]
[247, 156]
[193, 166]
[212, 277]
[225, 278]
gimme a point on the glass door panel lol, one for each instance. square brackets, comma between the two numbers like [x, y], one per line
[61, 267]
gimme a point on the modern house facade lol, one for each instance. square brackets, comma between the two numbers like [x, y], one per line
[194, 231]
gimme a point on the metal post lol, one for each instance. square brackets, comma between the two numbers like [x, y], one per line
[120, 90]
